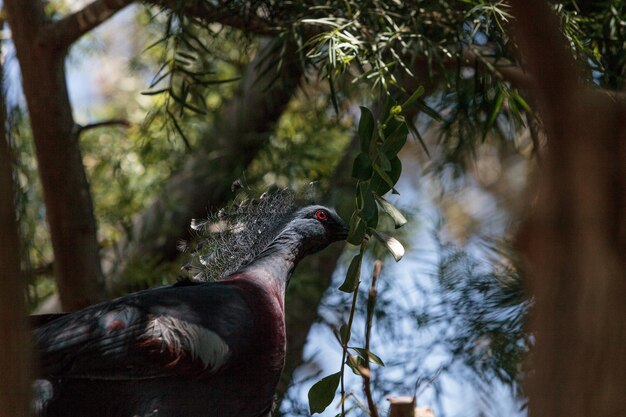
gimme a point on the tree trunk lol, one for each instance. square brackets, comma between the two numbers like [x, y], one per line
[204, 182]
[14, 352]
[69, 209]
[575, 237]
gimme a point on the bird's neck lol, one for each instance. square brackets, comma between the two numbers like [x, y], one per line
[277, 262]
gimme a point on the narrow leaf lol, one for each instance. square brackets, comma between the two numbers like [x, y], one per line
[495, 110]
[392, 244]
[411, 100]
[419, 137]
[352, 276]
[429, 110]
[154, 92]
[322, 393]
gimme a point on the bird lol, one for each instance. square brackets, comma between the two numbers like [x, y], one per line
[210, 348]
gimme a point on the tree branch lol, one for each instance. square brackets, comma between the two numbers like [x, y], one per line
[113, 122]
[222, 13]
[506, 72]
[63, 33]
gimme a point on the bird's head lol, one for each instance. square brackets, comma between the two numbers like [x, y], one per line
[317, 227]
[237, 235]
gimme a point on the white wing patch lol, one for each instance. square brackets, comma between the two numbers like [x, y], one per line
[179, 335]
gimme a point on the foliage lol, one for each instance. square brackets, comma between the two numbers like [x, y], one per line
[384, 48]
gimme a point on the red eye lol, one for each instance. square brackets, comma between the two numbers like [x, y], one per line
[321, 215]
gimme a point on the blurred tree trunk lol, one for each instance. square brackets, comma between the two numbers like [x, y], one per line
[575, 237]
[204, 182]
[14, 352]
[69, 208]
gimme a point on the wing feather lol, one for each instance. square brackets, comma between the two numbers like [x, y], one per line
[169, 330]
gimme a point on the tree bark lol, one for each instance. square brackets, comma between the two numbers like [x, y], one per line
[69, 209]
[575, 237]
[41, 47]
[14, 351]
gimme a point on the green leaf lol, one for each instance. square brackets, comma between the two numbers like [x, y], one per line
[367, 202]
[379, 185]
[411, 100]
[495, 110]
[366, 129]
[520, 101]
[392, 244]
[394, 143]
[354, 363]
[154, 92]
[383, 161]
[322, 393]
[368, 355]
[398, 219]
[362, 167]
[391, 126]
[357, 230]
[384, 176]
[419, 137]
[429, 110]
[352, 276]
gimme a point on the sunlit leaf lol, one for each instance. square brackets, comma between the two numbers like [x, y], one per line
[368, 355]
[392, 244]
[398, 219]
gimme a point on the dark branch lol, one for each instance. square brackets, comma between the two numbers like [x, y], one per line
[506, 72]
[113, 122]
[63, 33]
[224, 15]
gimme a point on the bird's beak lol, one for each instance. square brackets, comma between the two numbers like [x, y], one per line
[344, 230]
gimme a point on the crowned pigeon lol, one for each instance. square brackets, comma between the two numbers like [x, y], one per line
[206, 349]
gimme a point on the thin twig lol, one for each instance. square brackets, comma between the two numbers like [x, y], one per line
[366, 374]
[113, 122]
